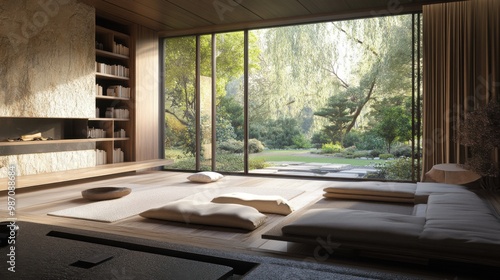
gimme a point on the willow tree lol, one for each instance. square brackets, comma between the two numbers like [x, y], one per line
[379, 67]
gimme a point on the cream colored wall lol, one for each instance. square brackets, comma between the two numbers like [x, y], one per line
[47, 59]
[47, 62]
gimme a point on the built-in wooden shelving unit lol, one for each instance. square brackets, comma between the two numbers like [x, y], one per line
[114, 94]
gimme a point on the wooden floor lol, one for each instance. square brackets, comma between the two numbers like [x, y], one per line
[33, 204]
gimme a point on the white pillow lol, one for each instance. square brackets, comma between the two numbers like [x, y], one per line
[274, 204]
[205, 177]
[207, 213]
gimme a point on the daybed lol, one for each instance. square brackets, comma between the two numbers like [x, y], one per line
[447, 222]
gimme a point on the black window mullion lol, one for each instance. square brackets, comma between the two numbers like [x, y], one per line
[245, 104]
[214, 105]
[198, 105]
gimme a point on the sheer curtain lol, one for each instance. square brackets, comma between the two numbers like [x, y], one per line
[461, 72]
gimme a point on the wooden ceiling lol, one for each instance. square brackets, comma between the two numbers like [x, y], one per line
[182, 17]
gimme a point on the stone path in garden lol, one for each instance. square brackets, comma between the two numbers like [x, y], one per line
[316, 169]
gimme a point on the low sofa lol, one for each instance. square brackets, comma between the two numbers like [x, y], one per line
[450, 222]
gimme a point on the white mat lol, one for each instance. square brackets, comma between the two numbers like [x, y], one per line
[140, 200]
[134, 203]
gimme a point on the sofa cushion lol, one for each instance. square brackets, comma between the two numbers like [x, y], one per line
[462, 223]
[358, 226]
[424, 189]
[374, 191]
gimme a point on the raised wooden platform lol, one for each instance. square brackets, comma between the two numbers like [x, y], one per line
[82, 173]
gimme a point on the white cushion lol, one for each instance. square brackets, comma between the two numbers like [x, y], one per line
[392, 189]
[205, 177]
[374, 191]
[207, 213]
[274, 204]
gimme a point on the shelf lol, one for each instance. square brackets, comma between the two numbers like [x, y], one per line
[83, 173]
[103, 53]
[47, 142]
[103, 30]
[111, 97]
[110, 77]
[109, 139]
[109, 119]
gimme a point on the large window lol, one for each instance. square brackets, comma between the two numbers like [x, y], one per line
[332, 99]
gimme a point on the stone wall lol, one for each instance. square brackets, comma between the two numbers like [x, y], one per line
[47, 162]
[47, 70]
[47, 59]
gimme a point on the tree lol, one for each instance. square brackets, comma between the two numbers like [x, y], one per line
[394, 123]
[382, 68]
[180, 75]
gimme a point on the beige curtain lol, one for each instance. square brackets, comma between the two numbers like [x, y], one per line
[461, 72]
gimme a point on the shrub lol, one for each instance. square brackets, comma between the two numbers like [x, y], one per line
[229, 162]
[319, 138]
[331, 148]
[375, 153]
[231, 146]
[349, 152]
[386, 156]
[301, 142]
[259, 163]
[399, 169]
[366, 140]
[402, 151]
[358, 154]
[255, 146]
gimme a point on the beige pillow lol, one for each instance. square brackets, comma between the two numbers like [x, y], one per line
[205, 177]
[207, 213]
[264, 203]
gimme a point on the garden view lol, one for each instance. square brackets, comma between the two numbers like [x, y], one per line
[337, 99]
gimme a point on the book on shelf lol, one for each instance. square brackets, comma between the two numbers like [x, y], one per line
[117, 113]
[118, 91]
[97, 112]
[120, 49]
[101, 157]
[98, 90]
[116, 70]
[118, 155]
[120, 133]
[95, 132]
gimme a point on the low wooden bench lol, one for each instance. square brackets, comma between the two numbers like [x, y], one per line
[82, 173]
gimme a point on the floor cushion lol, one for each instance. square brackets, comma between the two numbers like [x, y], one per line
[205, 177]
[273, 204]
[208, 213]
[105, 193]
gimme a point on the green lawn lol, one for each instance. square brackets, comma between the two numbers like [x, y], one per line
[292, 156]
[307, 156]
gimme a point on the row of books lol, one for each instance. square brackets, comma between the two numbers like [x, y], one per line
[117, 70]
[95, 132]
[120, 133]
[114, 90]
[116, 48]
[120, 49]
[101, 157]
[118, 155]
[118, 91]
[117, 113]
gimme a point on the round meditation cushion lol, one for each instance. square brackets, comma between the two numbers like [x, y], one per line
[105, 193]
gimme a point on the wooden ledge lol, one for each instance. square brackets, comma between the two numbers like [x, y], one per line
[82, 173]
